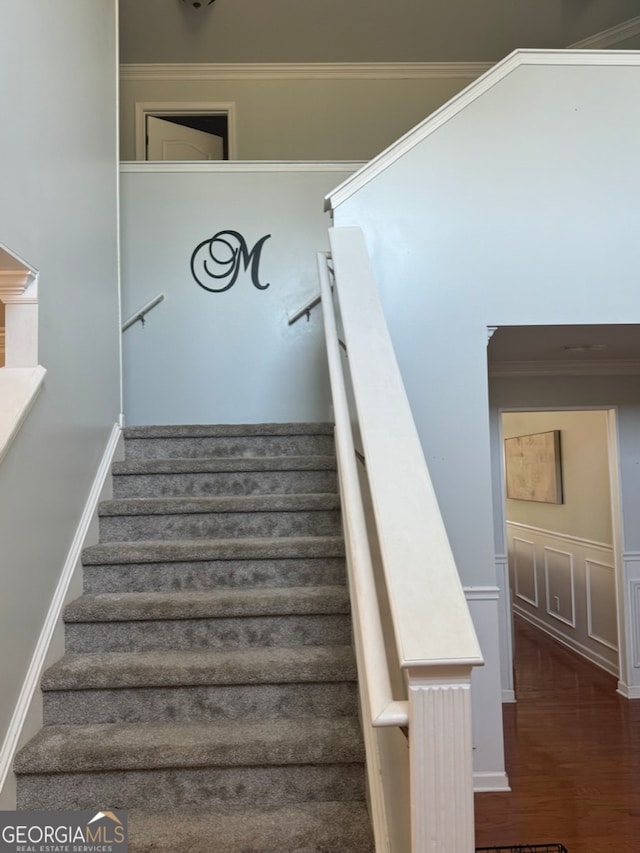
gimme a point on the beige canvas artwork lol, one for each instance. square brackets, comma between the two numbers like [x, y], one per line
[532, 465]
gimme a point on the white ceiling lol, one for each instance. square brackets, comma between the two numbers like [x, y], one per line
[565, 349]
[170, 31]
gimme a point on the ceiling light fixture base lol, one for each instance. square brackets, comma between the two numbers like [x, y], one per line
[198, 4]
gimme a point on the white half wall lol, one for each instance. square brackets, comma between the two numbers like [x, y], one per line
[488, 749]
[228, 356]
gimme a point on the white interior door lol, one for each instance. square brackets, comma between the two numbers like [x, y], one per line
[169, 141]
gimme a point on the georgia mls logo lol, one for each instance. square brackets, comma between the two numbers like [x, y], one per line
[63, 832]
[104, 829]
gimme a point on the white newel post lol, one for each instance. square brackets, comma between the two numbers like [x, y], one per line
[441, 760]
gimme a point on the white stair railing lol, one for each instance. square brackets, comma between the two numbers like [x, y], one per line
[433, 636]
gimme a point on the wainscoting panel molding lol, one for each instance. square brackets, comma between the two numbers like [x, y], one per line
[601, 603]
[525, 570]
[576, 603]
[629, 632]
[559, 585]
[634, 602]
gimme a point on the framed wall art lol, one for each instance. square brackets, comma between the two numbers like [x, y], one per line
[533, 467]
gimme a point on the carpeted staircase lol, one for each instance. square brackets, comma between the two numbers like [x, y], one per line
[209, 685]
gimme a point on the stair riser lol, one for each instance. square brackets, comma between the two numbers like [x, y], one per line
[203, 485]
[192, 704]
[135, 528]
[307, 828]
[214, 787]
[185, 634]
[244, 446]
[202, 576]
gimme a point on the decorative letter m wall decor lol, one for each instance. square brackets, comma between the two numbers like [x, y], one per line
[215, 263]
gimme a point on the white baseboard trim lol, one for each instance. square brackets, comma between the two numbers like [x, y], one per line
[628, 692]
[508, 696]
[54, 615]
[576, 647]
[486, 782]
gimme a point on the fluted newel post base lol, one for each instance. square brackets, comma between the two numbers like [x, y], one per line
[441, 760]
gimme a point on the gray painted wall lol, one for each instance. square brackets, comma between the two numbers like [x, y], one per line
[522, 209]
[226, 357]
[585, 510]
[550, 392]
[301, 119]
[58, 212]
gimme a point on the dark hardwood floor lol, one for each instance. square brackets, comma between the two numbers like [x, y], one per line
[572, 753]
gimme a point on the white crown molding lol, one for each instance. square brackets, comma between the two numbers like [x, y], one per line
[302, 71]
[466, 97]
[610, 37]
[611, 367]
[238, 166]
[13, 283]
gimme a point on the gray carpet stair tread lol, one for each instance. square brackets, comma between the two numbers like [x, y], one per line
[154, 551]
[223, 603]
[216, 464]
[226, 430]
[227, 504]
[202, 687]
[343, 827]
[118, 670]
[135, 746]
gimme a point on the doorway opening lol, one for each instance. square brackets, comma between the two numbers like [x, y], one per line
[563, 554]
[185, 131]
